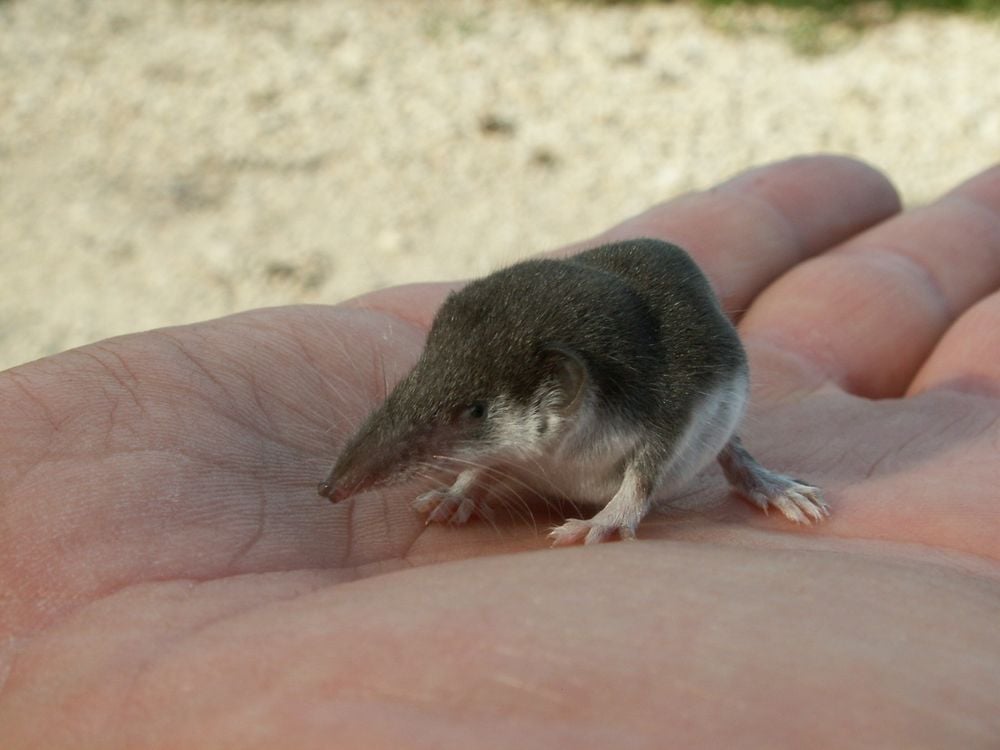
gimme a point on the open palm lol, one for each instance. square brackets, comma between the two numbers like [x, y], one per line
[171, 579]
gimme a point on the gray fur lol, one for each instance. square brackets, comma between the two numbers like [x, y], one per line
[654, 346]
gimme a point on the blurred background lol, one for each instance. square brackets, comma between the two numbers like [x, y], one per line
[167, 161]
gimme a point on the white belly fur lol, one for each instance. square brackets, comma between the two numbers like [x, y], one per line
[713, 423]
[588, 466]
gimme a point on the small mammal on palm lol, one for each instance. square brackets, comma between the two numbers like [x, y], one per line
[610, 378]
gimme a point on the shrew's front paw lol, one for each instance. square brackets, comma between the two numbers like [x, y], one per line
[447, 506]
[591, 531]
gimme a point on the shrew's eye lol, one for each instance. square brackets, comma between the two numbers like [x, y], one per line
[476, 410]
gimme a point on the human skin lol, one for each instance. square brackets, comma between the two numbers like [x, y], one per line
[171, 580]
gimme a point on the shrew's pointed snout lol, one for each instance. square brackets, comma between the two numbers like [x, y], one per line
[333, 492]
[382, 452]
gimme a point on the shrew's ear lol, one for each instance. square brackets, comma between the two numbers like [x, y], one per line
[571, 375]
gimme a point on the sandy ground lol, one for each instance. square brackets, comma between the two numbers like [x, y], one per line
[167, 161]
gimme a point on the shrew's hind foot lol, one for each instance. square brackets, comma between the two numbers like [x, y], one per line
[798, 501]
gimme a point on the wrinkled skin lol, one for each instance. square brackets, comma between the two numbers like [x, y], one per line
[171, 580]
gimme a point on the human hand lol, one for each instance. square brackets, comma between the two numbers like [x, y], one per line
[171, 579]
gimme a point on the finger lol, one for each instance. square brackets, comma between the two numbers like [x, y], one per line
[867, 315]
[413, 303]
[748, 231]
[743, 233]
[968, 356]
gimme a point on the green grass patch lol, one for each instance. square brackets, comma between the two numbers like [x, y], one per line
[849, 6]
[816, 27]
[836, 6]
